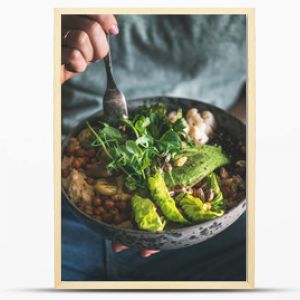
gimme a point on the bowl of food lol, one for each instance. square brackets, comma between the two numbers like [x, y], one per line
[171, 175]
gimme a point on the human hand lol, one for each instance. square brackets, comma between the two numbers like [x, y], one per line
[144, 253]
[84, 41]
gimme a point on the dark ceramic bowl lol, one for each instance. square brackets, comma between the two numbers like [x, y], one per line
[175, 238]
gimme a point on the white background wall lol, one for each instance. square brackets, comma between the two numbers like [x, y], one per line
[26, 158]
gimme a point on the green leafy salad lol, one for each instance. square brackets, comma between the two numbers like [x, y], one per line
[160, 164]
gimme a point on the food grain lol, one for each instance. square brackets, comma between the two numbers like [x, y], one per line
[106, 195]
[97, 201]
[109, 204]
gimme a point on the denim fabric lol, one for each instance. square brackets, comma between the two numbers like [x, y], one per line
[86, 256]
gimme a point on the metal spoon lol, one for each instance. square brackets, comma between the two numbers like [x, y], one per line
[114, 102]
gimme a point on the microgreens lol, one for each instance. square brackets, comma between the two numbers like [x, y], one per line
[148, 141]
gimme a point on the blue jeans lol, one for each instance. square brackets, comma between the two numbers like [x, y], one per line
[87, 256]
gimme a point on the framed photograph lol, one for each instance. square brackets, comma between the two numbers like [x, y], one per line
[154, 148]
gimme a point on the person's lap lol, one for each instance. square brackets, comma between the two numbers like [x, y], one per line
[87, 256]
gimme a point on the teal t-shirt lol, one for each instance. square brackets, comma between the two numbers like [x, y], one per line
[200, 57]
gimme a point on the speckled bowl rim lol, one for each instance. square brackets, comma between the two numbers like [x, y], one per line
[136, 231]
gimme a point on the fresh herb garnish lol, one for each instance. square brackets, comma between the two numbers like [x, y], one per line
[150, 139]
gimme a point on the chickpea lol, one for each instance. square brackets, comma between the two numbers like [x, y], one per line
[76, 163]
[109, 204]
[89, 180]
[123, 205]
[93, 160]
[83, 162]
[99, 211]
[226, 191]
[80, 152]
[105, 187]
[114, 211]
[70, 150]
[97, 201]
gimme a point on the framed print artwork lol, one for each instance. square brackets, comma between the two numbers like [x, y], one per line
[154, 142]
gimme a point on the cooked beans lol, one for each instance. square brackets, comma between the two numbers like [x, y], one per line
[99, 210]
[109, 204]
[80, 152]
[91, 152]
[114, 211]
[76, 163]
[97, 201]
[90, 180]
[122, 205]
[70, 150]
[93, 160]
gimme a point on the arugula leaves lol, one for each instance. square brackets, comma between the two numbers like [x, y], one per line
[132, 157]
[170, 142]
[149, 140]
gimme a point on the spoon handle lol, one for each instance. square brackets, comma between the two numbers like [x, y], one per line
[114, 102]
[108, 66]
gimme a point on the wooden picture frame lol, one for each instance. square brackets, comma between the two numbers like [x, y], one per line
[150, 285]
